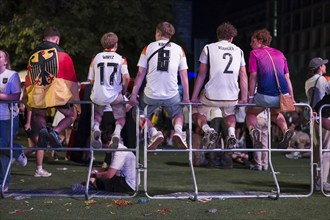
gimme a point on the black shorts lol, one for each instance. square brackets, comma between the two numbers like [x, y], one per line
[115, 184]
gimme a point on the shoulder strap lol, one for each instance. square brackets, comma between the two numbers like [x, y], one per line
[277, 82]
[157, 51]
[312, 98]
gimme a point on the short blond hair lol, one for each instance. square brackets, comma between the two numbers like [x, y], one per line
[109, 40]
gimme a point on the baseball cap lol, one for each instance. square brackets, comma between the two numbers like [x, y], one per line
[317, 62]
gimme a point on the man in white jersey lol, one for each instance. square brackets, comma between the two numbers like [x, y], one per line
[160, 63]
[109, 75]
[225, 63]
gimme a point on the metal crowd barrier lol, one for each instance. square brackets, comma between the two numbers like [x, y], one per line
[196, 194]
[322, 150]
[69, 193]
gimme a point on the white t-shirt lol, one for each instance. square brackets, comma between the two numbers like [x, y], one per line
[225, 62]
[162, 69]
[106, 70]
[322, 84]
[125, 163]
[9, 84]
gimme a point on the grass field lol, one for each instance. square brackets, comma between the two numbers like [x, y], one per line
[170, 173]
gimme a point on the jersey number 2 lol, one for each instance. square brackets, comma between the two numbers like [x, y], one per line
[227, 71]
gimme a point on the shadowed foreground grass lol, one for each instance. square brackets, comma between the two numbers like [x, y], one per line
[169, 173]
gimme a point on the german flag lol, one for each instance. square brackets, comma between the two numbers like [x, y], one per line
[51, 79]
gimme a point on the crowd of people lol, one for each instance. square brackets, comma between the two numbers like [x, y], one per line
[51, 82]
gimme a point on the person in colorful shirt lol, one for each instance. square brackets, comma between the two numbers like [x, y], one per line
[50, 82]
[263, 89]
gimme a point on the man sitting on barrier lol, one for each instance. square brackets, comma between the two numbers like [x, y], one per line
[119, 177]
[51, 81]
[109, 75]
[226, 64]
[160, 62]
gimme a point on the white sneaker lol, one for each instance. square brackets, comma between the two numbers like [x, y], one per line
[42, 173]
[97, 138]
[293, 155]
[155, 140]
[22, 160]
[179, 140]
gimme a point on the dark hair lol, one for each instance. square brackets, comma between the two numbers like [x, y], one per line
[166, 29]
[263, 35]
[312, 72]
[106, 136]
[226, 31]
[51, 32]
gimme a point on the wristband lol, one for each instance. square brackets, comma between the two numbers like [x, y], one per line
[251, 96]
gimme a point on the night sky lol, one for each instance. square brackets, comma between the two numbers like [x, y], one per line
[208, 14]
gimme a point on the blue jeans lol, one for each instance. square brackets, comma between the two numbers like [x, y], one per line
[5, 142]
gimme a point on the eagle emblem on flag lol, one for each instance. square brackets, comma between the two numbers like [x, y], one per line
[43, 66]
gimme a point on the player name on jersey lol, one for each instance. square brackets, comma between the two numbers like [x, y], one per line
[162, 44]
[225, 48]
[107, 56]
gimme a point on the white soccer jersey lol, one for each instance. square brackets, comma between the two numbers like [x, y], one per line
[106, 70]
[125, 163]
[225, 62]
[162, 69]
[9, 84]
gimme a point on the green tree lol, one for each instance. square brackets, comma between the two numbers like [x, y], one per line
[81, 23]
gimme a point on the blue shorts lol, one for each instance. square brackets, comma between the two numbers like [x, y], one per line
[267, 101]
[171, 106]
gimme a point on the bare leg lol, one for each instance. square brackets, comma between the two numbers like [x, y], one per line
[70, 117]
[279, 119]
[251, 116]
[199, 119]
